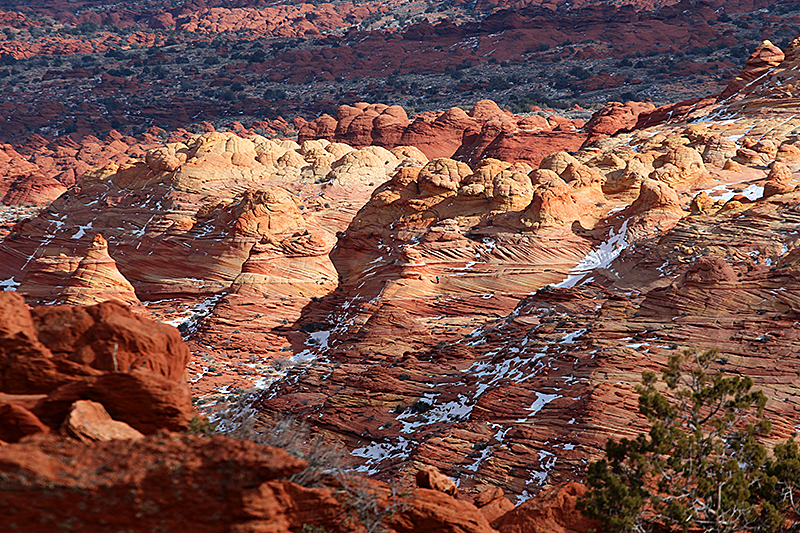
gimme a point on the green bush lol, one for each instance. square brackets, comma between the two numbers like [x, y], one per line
[700, 467]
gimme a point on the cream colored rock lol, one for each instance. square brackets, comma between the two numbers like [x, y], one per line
[358, 167]
[718, 149]
[167, 158]
[413, 153]
[88, 421]
[542, 175]
[779, 180]
[679, 165]
[557, 162]
[512, 191]
[552, 206]
[97, 279]
[339, 150]
[636, 170]
[442, 175]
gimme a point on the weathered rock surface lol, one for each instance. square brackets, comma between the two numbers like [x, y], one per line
[166, 481]
[88, 421]
[485, 131]
[170, 481]
[553, 511]
[96, 279]
[133, 366]
[430, 478]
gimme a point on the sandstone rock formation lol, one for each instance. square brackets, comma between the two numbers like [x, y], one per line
[134, 368]
[488, 318]
[485, 131]
[97, 279]
[766, 57]
[430, 478]
[554, 511]
[88, 421]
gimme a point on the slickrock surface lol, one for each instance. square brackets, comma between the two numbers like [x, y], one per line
[486, 317]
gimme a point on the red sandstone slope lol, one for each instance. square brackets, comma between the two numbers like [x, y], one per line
[70, 462]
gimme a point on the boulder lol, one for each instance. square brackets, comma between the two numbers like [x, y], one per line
[430, 478]
[17, 422]
[779, 180]
[88, 421]
[551, 511]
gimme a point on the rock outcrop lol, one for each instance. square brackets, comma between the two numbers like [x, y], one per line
[765, 58]
[133, 368]
[97, 279]
[483, 132]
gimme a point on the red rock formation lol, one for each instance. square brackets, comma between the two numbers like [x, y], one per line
[179, 477]
[430, 478]
[779, 180]
[765, 58]
[176, 476]
[23, 182]
[133, 366]
[614, 117]
[486, 131]
[17, 422]
[552, 511]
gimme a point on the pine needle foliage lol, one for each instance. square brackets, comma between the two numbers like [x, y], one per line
[701, 467]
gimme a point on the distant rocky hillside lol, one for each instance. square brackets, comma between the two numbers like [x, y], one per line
[90, 68]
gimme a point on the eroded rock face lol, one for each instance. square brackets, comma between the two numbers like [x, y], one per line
[552, 511]
[162, 469]
[179, 478]
[97, 279]
[133, 367]
[766, 57]
[88, 421]
[613, 117]
[485, 131]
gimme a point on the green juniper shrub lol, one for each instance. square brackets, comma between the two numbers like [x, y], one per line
[700, 468]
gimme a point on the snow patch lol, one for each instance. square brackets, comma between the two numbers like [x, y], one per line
[9, 284]
[601, 257]
[82, 231]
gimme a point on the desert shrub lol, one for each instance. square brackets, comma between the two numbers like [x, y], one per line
[240, 421]
[366, 505]
[701, 467]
